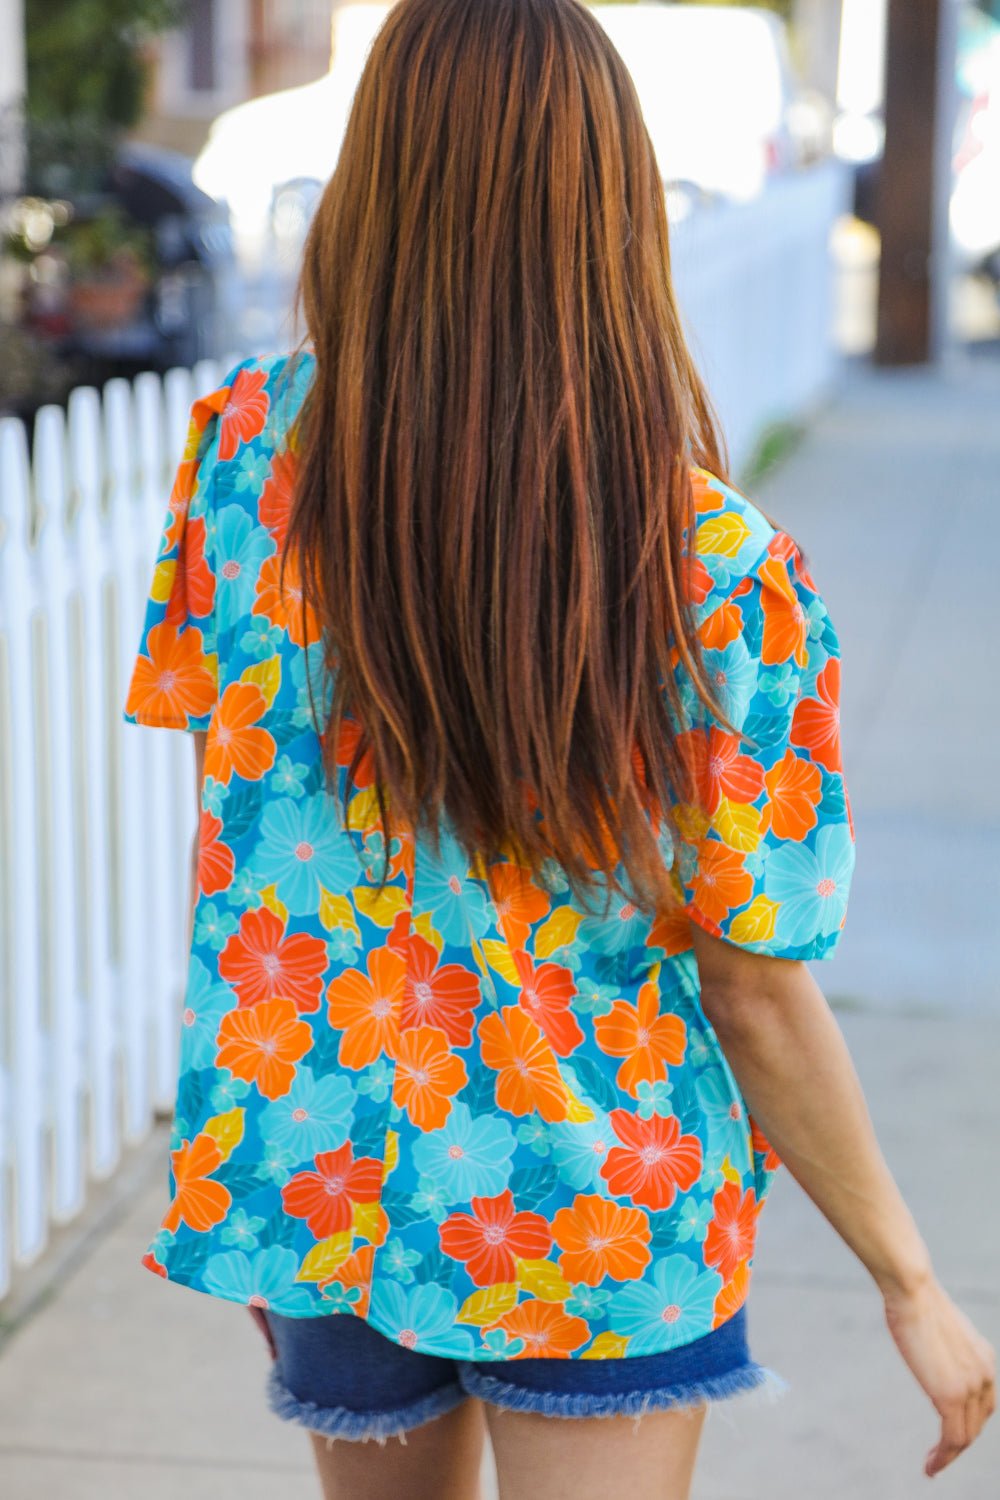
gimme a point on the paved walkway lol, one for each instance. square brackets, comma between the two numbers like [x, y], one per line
[125, 1388]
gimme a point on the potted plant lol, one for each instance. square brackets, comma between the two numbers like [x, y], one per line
[108, 261]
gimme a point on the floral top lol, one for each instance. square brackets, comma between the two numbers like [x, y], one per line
[488, 1122]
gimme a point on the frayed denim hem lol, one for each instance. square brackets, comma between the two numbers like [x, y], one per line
[359, 1426]
[694, 1394]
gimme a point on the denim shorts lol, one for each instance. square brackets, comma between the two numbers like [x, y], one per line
[337, 1375]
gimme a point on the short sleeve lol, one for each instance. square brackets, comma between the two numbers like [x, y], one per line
[767, 846]
[175, 678]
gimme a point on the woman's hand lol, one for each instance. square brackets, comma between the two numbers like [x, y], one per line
[951, 1362]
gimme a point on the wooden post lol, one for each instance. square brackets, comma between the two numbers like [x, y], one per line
[915, 185]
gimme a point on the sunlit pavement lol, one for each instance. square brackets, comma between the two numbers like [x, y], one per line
[123, 1386]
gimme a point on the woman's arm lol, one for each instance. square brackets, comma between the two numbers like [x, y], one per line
[793, 1067]
[200, 738]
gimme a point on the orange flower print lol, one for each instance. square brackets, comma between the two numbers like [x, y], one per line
[176, 681]
[762, 1147]
[493, 1238]
[722, 627]
[282, 603]
[795, 789]
[731, 1233]
[245, 412]
[428, 1076]
[786, 631]
[529, 1077]
[200, 1203]
[697, 580]
[216, 861]
[653, 1160]
[193, 591]
[721, 882]
[599, 1238]
[548, 1330]
[671, 931]
[519, 902]
[262, 1043]
[647, 1040]
[351, 733]
[259, 961]
[719, 770]
[443, 995]
[355, 1271]
[816, 724]
[326, 1197]
[366, 1007]
[275, 507]
[235, 744]
[732, 1296]
[547, 992]
[181, 494]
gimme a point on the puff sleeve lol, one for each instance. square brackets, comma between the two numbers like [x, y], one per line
[175, 679]
[767, 845]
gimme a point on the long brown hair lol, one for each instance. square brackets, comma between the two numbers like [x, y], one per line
[494, 456]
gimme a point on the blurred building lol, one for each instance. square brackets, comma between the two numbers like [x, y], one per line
[229, 51]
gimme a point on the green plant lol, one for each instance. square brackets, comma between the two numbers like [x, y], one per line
[106, 241]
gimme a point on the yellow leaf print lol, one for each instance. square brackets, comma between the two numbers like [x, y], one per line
[499, 957]
[724, 535]
[391, 1152]
[489, 1305]
[337, 911]
[269, 898]
[756, 924]
[163, 580]
[382, 910]
[192, 442]
[692, 822]
[578, 1113]
[324, 1258]
[730, 1173]
[369, 1221]
[738, 825]
[363, 813]
[558, 931]
[607, 1346]
[267, 676]
[426, 928]
[543, 1280]
[226, 1131]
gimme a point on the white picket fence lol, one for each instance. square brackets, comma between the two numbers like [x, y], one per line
[96, 816]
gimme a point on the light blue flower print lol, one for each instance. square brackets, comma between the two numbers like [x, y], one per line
[399, 1261]
[587, 1302]
[252, 470]
[721, 569]
[376, 1080]
[309, 672]
[276, 1163]
[673, 1306]
[431, 1200]
[712, 1177]
[269, 1275]
[161, 1242]
[240, 548]
[261, 639]
[780, 684]
[241, 1230]
[244, 891]
[341, 1299]
[315, 1115]
[206, 1002]
[421, 1316]
[213, 795]
[687, 863]
[499, 1345]
[288, 777]
[534, 1133]
[654, 1098]
[552, 877]
[342, 946]
[728, 1131]
[579, 1151]
[470, 1154]
[214, 927]
[228, 1092]
[811, 886]
[567, 957]
[625, 927]
[693, 1219]
[699, 1046]
[373, 854]
[756, 860]
[732, 675]
[302, 852]
[817, 615]
[455, 902]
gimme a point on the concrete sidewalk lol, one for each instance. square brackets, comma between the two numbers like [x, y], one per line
[123, 1386]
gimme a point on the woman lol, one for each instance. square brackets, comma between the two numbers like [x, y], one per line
[521, 808]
